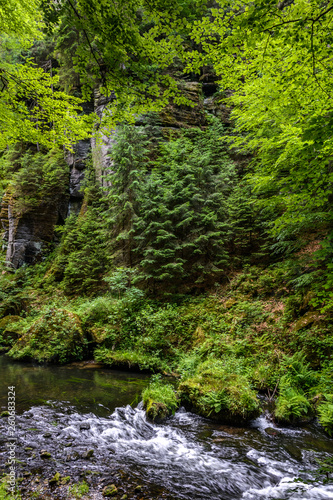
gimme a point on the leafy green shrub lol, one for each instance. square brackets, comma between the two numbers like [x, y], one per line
[298, 372]
[291, 405]
[325, 412]
[96, 311]
[159, 399]
[78, 490]
[264, 376]
[10, 329]
[188, 364]
[217, 390]
[214, 402]
[161, 331]
[56, 336]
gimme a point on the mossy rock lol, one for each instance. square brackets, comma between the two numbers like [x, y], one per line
[215, 393]
[98, 334]
[45, 454]
[10, 329]
[55, 479]
[110, 491]
[160, 401]
[306, 320]
[56, 336]
[157, 412]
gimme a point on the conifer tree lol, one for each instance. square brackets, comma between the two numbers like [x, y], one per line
[182, 229]
[129, 160]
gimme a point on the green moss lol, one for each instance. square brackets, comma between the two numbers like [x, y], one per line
[110, 491]
[55, 479]
[159, 400]
[10, 330]
[214, 391]
[129, 359]
[78, 490]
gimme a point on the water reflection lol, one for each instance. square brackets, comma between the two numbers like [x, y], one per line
[88, 389]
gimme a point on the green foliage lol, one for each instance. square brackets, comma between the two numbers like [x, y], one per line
[188, 364]
[130, 359]
[275, 57]
[129, 156]
[215, 402]
[56, 336]
[298, 373]
[291, 405]
[159, 399]
[325, 412]
[82, 257]
[20, 19]
[216, 389]
[4, 491]
[182, 229]
[78, 490]
[35, 179]
[249, 224]
[128, 50]
[95, 311]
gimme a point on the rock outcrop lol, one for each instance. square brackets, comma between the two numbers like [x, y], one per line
[28, 235]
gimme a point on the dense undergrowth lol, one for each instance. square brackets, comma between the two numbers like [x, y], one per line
[172, 268]
[256, 333]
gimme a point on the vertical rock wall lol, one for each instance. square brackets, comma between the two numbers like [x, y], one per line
[31, 234]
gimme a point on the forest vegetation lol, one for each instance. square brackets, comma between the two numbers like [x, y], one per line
[205, 249]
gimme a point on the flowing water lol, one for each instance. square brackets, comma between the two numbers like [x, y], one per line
[83, 418]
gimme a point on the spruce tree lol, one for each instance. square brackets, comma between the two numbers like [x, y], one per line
[182, 230]
[129, 162]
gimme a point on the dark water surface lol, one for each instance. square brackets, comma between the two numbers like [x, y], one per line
[69, 411]
[80, 385]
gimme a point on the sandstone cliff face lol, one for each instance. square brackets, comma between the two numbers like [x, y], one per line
[29, 236]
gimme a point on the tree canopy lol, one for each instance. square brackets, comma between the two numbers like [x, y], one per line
[276, 57]
[32, 108]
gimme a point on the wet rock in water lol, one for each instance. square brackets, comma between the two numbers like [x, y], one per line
[293, 451]
[272, 432]
[157, 412]
[88, 454]
[110, 491]
[55, 479]
[233, 431]
[45, 454]
[84, 426]
[72, 456]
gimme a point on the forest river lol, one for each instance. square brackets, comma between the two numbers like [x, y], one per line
[87, 424]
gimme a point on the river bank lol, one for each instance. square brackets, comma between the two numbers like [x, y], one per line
[85, 437]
